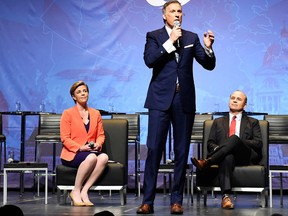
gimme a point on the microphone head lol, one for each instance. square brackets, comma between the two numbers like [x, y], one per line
[91, 144]
[176, 23]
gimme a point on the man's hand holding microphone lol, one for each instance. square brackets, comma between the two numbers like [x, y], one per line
[176, 33]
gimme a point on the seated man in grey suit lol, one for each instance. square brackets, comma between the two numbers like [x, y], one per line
[234, 140]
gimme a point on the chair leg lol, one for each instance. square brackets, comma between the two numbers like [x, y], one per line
[123, 196]
[58, 196]
[188, 187]
[281, 190]
[38, 184]
[198, 197]
[36, 152]
[189, 183]
[264, 198]
[164, 184]
[1, 157]
[54, 168]
[139, 184]
[192, 187]
[205, 197]
[5, 152]
[65, 195]
[136, 167]
[3, 145]
[62, 196]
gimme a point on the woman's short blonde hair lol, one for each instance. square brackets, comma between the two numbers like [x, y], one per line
[76, 85]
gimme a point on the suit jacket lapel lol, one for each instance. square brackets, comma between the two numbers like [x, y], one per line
[163, 35]
[226, 124]
[244, 122]
[182, 41]
[180, 50]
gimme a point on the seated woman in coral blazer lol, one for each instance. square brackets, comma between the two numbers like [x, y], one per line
[82, 135]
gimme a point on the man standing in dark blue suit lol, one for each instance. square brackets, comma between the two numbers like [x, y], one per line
[170, 51]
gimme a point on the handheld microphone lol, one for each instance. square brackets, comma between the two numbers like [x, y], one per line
[177, 24]
[91, 144]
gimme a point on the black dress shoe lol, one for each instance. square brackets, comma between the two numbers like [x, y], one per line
[145, 209]
[176, 208]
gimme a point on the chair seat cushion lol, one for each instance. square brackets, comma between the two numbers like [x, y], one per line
[46, 137]
[113, 175]
[243, 176]
[2, 138]
[283, 139]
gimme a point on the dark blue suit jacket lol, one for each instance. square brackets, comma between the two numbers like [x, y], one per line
[165, 69]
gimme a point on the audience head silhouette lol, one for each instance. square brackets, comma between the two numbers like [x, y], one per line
[11, 210]
[104, 213]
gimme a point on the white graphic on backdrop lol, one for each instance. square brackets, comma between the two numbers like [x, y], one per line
[158, 3]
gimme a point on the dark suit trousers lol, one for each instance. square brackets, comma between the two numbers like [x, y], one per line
[233, 152]
[158, 126]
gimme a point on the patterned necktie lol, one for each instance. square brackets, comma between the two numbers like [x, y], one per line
[232, 126]
[177, 56]
[177, 59]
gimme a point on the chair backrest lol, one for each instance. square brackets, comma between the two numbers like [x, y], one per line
[133, 125]
[264, 126]
[197, 131]
[116, 140]
[1, 131]
[278, 128]
[49, 124]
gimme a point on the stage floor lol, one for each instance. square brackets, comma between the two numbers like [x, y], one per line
[245, 204]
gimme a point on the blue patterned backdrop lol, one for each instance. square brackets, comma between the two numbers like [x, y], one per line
[46, 45]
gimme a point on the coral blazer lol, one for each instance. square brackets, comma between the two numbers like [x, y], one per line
[73, 132]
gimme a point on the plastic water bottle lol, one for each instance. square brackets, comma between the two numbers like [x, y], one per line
[42, 107]
[10, 157]
[18, 106]
[171, 157]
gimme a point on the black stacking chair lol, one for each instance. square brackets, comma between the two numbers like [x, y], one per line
[2, 144]
[134, 139]
[48, 133]
[115, 175]
[197, 131]
[252, 178]
[278, 134]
